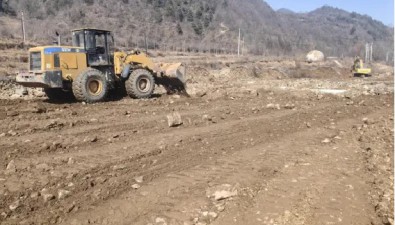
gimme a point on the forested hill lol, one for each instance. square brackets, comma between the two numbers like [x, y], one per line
[201, 25]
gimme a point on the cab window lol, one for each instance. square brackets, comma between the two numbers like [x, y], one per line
[96, 47]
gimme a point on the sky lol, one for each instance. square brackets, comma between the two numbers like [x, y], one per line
[382, 10]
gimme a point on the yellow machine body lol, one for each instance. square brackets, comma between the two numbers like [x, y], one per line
[71, 61]
[168, 70]
[122, 58]
[49, 66]
[91, 62]
[358, 68]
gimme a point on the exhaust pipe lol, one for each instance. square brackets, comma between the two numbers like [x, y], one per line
[58, 35]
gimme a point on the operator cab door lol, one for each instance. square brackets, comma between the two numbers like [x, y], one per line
[97, 45]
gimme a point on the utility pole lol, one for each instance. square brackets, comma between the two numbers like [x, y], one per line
[369, 52]
[23, 29]
[387, 57]
[238, 44]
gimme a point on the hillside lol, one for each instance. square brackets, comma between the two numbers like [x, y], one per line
[338, 32]
[207, 25]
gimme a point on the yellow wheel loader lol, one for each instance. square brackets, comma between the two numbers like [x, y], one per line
[89, 69]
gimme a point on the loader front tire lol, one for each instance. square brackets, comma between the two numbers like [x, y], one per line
[90, 86]
[141, 84]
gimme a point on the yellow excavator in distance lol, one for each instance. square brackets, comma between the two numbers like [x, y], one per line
[89, 69]
[359, 70]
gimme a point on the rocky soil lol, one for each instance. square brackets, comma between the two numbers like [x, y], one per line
[265, 142]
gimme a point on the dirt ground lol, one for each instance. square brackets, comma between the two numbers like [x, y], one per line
[262, 142]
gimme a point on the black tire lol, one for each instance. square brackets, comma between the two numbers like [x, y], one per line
[58, 94]
[90, 86]
[141, 84]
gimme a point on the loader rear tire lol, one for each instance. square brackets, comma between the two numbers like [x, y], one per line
[141, 84]
[90, 86]
[58, 94]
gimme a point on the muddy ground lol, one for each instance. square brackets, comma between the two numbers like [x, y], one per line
[265, 142]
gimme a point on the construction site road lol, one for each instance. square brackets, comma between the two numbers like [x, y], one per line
[270, 157]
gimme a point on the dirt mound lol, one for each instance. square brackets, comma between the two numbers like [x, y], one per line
[327, 72]
[9, 89]
[202, 74]
[251, 72]
[382, 70]
[243, 72]
[197, 74]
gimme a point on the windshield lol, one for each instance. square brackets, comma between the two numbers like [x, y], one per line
[96, 47]
[96, 43]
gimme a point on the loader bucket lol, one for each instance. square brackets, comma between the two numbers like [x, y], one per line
[173, 78]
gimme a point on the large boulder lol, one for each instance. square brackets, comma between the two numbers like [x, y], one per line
[315, 56]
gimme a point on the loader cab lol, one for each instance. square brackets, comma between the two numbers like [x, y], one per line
[98, 45]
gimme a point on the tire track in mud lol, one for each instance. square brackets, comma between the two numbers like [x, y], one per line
[113, 182]
[324, 184]
[104, 128]
[72, 137]
[181, 197]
